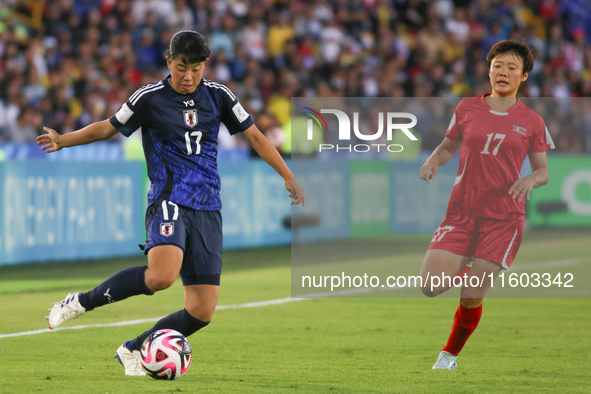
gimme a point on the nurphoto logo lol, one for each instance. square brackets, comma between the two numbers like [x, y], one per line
[344, 131]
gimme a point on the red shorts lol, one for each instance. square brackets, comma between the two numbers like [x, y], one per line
[485, 238]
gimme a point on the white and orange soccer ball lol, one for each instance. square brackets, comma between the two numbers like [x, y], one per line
[166, 354]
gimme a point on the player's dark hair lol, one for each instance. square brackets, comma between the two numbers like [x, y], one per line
[190, 46]
[519, 49]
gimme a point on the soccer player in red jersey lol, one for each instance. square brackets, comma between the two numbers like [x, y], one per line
[483, 226]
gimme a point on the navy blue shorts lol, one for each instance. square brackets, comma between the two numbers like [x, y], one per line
[197, 233]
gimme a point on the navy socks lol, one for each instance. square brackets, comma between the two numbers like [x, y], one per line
[181, 321]
[124, 284]
[131, 282]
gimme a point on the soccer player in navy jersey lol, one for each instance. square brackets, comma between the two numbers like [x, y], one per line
[180, 119]
[483, 226]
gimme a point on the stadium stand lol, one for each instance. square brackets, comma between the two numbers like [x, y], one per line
[66, 63]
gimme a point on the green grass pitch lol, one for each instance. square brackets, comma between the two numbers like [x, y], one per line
[365, 345]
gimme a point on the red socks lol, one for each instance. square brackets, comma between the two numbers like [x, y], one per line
[465, 322]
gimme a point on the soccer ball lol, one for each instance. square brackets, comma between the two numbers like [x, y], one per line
[166, 354]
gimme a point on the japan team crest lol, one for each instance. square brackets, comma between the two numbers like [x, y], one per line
[190, 117]
[167, 229]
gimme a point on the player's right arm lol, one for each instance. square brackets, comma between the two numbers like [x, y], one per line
[448, 148]
[441, 155]
[53, 141]
[128, 118]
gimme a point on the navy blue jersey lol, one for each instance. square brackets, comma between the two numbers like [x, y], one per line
[179, 133]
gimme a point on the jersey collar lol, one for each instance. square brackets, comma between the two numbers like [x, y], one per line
[511, 109]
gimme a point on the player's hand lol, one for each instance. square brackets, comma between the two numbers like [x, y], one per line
[296, 191]
[50, 141]
[522, 187]
[430, 168]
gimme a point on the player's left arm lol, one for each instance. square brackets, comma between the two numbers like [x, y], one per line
[267, 151]
[539, 177]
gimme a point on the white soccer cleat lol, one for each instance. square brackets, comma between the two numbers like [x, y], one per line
[65, 310]
[446, 361]
[131, 361]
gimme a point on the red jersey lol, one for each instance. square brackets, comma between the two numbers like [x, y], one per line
[494, 146]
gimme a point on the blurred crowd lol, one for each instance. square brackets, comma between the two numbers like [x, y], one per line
[89, 56]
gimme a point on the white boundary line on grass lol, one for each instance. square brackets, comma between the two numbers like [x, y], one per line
[524, 267]
[218, 308]
[139, 321]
